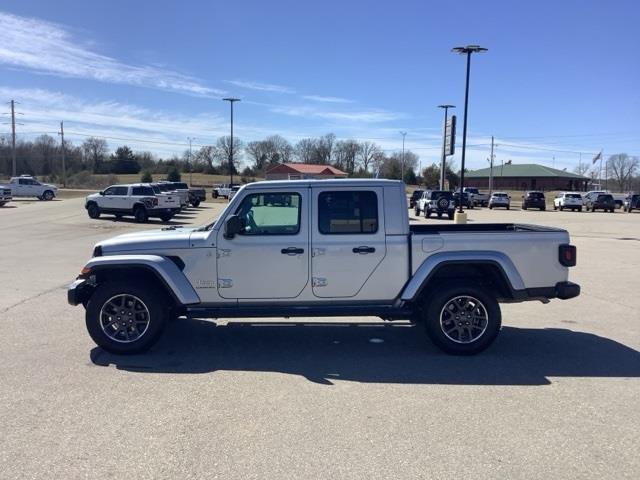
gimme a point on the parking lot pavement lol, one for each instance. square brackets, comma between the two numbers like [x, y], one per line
[555, 397]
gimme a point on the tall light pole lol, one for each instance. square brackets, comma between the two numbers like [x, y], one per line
[231, 101]
[190, 163]
[404, 134]
[443, 162]
[468, 50]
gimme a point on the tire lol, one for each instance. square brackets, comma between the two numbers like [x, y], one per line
[490, 207]
[451, 216]
[612, 210]
[579, 209]
[93, 210]
[542, 209]
[148, 305]
[508, 207]
[214, 194]
[416, 212]
[166, 217]
[427, 213]
[195, 203]
[438, 317]
[140, 214]
[439, 214]
[48, 195]
[524, 207]
[562, 209]
[555, 207]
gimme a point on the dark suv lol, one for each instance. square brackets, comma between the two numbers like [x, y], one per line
[534, 200]
[467, 201]
[603, 201]
[632, 202]
[415, 196]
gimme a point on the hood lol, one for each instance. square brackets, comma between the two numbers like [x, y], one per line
[48, 185]
[148, 240]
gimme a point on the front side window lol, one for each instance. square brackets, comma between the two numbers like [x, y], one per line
[270, 214]
[110, 191]
[354, 212]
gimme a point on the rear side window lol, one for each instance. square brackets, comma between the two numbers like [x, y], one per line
[573, 195]
[350, 212]
[142, 191]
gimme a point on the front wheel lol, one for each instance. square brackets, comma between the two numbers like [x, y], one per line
[125, 319]
[93, 211]
[427, 213]
[166, 217]
[463, 319]
[416, 211]
[48, 195]
[195, 203]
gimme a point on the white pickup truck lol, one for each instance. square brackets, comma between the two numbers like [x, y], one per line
[28, 186]
[331, 248]
[139, 200]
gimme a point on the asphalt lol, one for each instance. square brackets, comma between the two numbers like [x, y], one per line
[557, 396]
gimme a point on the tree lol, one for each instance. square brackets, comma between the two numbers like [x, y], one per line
[173, 174]
[324, 149]
[44, 148]
[124, 161]
[223, 152]
[345, 155]
[146, 177]
[366, 154]
[95, 151]
[581, 168]
[431, 176]
[206, 155]
[305, 150]
[623, 167]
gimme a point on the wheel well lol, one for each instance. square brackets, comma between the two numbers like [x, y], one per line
[487, 275]
[133, 274]
[138, 205]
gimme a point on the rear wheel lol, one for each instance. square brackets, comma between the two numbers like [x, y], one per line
[125, 319]
[140, 214]
[427, 213]
[416, 211]
[214, 194]
[451, 215]
[93, 210]
[463, 319]
[166, 217]
[579, 209]
[195, 203]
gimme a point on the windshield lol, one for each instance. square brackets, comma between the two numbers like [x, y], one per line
[156, 189]
[536, 195]
[500, 195]
[182, 186]
[440, 193]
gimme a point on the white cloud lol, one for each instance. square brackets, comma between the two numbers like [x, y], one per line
[319, 98]
[364, 116]
[263, 87]
[50, 48]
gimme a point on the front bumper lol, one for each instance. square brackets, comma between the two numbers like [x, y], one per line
[78, 292]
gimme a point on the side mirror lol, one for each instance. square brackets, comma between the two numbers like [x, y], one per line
[102, 192]
[232, 226]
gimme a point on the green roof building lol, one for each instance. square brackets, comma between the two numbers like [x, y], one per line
[526, 176]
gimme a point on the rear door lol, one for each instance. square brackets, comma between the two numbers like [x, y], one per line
[347, 240]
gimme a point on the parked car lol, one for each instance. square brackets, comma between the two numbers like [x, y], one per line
[479, 198]
[233, 191]
[632, 202]
[500, 199]
[533, 199]
[5, 195]
[415, 196]
[196, 196]
[571, 200]
[136, 200]
[28, 186]
[223, 190]
[340, 248]
[439, 202]
[602, 201]
[467, 199]
[618, 198]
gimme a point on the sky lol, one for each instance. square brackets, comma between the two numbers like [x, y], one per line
[559, 83]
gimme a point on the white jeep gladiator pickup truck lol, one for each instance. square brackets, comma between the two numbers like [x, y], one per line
[28, 186]
[139, 200]
[332, 248]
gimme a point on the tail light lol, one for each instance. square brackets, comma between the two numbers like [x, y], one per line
[567, 254]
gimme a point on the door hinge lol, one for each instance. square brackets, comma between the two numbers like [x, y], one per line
[319, 282]
[225, 283]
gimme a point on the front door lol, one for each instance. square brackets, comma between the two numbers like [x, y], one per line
[269, 259]
[348, 239]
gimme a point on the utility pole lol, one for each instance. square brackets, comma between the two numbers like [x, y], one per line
[491, 169]
[64, 166]
[190, 164]
[443, 160]
[13, 137]
[404, 134]
[231, 101]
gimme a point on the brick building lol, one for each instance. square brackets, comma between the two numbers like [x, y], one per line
[300, 171]
[528, 176]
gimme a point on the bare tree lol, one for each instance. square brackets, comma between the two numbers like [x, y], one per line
[223, 152]
[581, 168]
[377, 161]
[623, 167]
[345, 155]
[258, 152]
[324, 149]
[305, 150]
[95, 151]
[206, 155]
[366, 154]
[44, 148]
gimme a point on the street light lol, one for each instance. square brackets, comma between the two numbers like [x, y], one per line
[191, 139]
[444, 139]
[231, 101]
[468, 50]
[404, 134]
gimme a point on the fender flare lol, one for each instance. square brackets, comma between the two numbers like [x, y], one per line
[438, 260]
[162, 267]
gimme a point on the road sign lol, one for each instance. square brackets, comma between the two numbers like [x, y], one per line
[450, 136]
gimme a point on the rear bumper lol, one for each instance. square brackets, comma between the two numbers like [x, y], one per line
[566, 290]
[561, 290]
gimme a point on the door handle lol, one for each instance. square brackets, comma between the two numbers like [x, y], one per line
[363, 250]
[292, 251]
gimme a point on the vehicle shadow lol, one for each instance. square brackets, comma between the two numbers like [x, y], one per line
[324, 353]
[150, 221]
